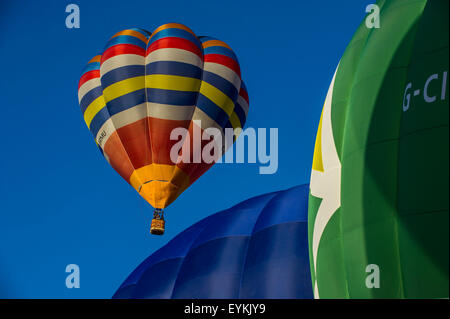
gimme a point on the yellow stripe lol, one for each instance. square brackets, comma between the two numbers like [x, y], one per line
[93, 109]
[317, 157]
[234, 120]
[218, 97]
[155, 81]
[172, 82]
[123, 87]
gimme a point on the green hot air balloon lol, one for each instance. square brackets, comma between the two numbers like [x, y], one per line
[378, 207]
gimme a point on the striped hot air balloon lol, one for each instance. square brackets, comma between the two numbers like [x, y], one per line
[143, 87]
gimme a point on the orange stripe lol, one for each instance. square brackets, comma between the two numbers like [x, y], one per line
[172, 25]
[212, 43]
[132, 33]
[95, 59]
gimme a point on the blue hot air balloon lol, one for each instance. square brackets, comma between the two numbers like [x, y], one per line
[256, 249]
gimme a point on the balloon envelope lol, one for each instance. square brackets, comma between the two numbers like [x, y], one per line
[378, 210]
[256, 249]
[144, 87]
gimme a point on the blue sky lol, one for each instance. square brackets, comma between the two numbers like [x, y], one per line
[61, 202]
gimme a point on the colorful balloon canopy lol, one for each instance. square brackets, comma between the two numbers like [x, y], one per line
[378, 207]
[142, 87]
[256, 249]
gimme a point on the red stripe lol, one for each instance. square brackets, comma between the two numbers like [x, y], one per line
[224, 60]
[122, 49]
[88, 76]
[244, 94]
[174, 42]
[160, 131]
[134, 138]
[192, 169]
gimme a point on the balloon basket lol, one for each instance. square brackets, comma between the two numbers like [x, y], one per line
[158, 224]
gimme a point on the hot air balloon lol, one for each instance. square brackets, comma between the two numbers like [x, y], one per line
[256, 249]
[144, 87]
[378, 207]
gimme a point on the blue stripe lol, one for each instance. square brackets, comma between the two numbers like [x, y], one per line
[99, 119]
[220, 50]
[174, 68]
[240, 114]
[126, 101]
[89, 97]
[171, 97]
[125, 39]
[174, 32]
[220, 83]
[122, 73]
[92, 66]
[212, 110]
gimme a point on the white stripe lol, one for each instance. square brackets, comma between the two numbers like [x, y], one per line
[170, 112]
[138, 112]
[130, 115]
[242, 102]
[172, 54]
[87, 86]
[206, 121]
[119, 120]
[107, 157]
[224, 72]
[104, 133]
[326, 185]
[121, 60]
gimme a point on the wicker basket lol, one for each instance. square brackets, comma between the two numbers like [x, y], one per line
[157, 227]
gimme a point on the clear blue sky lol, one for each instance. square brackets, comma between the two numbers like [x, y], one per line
[60, 201]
